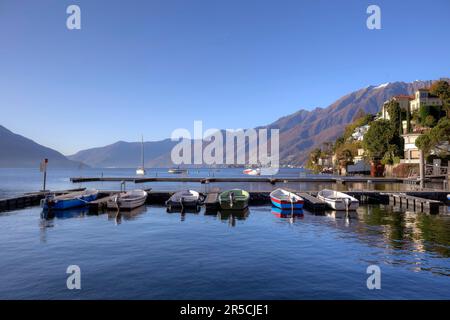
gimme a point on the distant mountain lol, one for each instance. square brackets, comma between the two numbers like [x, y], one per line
[127, 154]
[299, 132]
[20, 152]
[304, 130]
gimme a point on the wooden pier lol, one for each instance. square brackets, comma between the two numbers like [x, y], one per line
[312, 203]
[29, 199]
[414, 203]
[419, 201]
[249, 179]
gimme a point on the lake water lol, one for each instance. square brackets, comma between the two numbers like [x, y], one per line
[152, 254]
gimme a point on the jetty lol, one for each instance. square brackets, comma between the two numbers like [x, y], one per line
[428, 201]
[249, 179]
[30, 199]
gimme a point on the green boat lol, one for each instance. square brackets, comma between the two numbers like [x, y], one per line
[235, 199]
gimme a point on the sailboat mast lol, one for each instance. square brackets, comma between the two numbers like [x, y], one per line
[142, 151]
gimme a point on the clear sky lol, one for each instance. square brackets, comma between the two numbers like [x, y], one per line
[153, 66]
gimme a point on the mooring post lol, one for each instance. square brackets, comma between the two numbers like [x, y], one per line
[43, 168]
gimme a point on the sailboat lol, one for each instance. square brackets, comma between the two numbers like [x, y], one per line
[140, 171]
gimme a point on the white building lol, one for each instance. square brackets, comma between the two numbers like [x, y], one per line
[411, 152]
[422, 97]
[402, 100]
[358, 134]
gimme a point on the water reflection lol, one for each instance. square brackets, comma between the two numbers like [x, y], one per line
[406, 230]
[232, 215]
[126, 215]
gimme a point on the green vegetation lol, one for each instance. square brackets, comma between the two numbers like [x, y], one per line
[382, 141]
[442, 90]
[435, 137]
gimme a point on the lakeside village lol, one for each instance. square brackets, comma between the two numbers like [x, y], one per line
[408, 138]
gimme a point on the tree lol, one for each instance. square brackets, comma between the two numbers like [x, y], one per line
[441, 89]
[438, 135]
[395, 116]
[382, 141]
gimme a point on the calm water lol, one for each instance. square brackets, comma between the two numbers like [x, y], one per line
[152, 254]
[17, 181]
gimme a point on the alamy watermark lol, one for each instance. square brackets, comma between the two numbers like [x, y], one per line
[227, 147]
[74, 280]
[373, 22]
[374, 280]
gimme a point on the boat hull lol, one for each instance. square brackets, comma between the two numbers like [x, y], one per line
[237, 205]
[69, 203]
[339, 205]
[128, 203]
[282, 204]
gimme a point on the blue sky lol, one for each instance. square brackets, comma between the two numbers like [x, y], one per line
[153, 66]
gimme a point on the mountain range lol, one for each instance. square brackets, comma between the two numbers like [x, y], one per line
[20, 152]
[300, 132]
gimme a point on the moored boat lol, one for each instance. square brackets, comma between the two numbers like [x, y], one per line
[127, 200]
[140, 171]
[69, 200]
[286, 200]
[177, 170]
[252, 172]
[185, 199]
[338, 200]
[235, 199]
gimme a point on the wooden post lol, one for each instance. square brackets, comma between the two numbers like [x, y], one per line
[422, 168]
[44, 169]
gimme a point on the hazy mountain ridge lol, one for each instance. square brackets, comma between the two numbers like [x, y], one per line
[299, 132]
[20, 152]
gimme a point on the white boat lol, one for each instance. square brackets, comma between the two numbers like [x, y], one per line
[141, 170]
[338, 200]
[252, 172]
[184, 199]
[127, 200]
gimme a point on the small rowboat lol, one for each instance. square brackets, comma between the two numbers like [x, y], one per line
[235, 199]
[338, 200]
[185, 199]
[286, 200]
[252, 172]
[127, 200]
[69, 200]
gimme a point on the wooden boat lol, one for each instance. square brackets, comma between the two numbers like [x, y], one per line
[338, 200]
[177, 170]
[235, 199]
[127, 200]
[185, 199]
[286, 200]
[141, 170]
[69, 200]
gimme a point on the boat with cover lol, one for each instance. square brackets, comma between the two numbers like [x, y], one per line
[185, 199]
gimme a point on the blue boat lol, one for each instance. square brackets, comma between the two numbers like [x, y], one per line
[69, 200]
